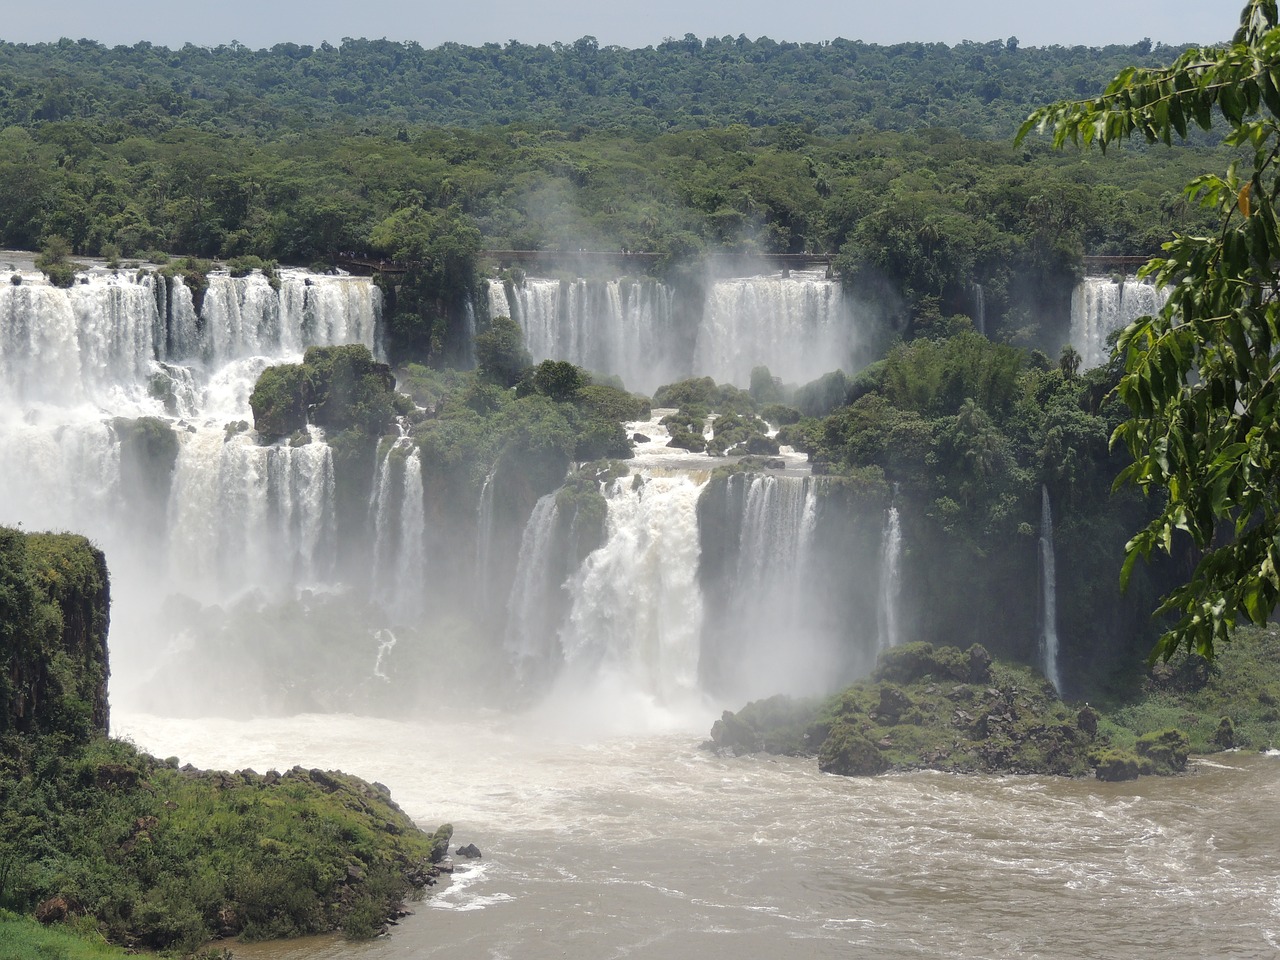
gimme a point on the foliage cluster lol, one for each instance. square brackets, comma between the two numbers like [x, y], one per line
[946, 709]
[338, 388]
[691, 82]
[1200, 377]
[916, 218]
[166, 858]
[53, 635]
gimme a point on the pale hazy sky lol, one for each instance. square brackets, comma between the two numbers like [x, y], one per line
[632, 24]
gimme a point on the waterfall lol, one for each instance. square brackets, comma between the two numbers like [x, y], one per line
[1048, 587]
[484, 530]
[621, 327]
[1100, 306]
[386, 641]
[399, 522]
[778, 622]
[799, 326]
[231, 515]
[979, 309]
[242, 515]
[532, 621]
[890, 584]
[636, 610]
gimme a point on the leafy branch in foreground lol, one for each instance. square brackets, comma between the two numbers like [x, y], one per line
[1201, 376]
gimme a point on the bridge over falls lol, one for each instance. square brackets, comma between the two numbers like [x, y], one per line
[641, 260]
[623, 260]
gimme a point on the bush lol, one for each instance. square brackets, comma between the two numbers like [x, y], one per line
[1164, 752]
[1115, 766]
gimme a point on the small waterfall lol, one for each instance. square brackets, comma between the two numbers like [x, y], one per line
[399, 520]
[484, 531]
[532, 620]
[1048, 588]
[776, 629]
[636, 609]
[979, 309]
[799, 326]
[243, 515]
[777, 533]
[386, 641]
[1100, 305]
[890, 584]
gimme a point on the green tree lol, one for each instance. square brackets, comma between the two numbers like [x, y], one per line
[500, 352]
[1202, 378]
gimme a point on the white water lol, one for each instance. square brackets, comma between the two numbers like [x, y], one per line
[602, 844]
[1049, 601]
[484, 532]
[1100, 306]
[800, 327]
[239, 516]
[531, 636]
[890, 584]
[622, 327]
[400, 552]
[636, 611]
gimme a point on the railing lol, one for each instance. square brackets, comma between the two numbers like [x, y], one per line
[358, 262]
[1113, 264]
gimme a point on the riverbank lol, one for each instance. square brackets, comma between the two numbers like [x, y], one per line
[961, 712]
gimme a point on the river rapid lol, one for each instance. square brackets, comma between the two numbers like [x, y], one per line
[633, 842]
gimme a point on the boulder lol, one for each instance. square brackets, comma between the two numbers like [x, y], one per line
[1087, 721]
[53, 910]
[848, 753]
[1115, 766]
[470, 851]
[1225, 735]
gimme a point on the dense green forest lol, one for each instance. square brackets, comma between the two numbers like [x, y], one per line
[139, 849]
[830, 88]
[916, 218]
[898, 159]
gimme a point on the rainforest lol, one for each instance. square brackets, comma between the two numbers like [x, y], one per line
[669, 469]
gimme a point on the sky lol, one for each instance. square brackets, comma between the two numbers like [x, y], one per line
[638, 23]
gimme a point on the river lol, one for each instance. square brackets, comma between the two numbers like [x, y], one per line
[637, 843]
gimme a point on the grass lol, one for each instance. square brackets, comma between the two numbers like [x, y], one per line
[22, 938]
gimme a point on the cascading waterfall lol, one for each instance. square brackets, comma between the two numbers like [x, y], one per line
[232, 515]
[979, 309]
[770, 597]
[800, 326]
[636, 610]
[1101, 305]
[890, 585]
[1048, 588]
[620, 327]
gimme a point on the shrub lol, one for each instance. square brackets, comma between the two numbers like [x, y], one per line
[1115, 765]
[1165, 751]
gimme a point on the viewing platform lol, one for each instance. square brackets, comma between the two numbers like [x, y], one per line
[621, 260]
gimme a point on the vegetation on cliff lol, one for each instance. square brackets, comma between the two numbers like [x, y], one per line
[113, 841]
[1200, 376]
